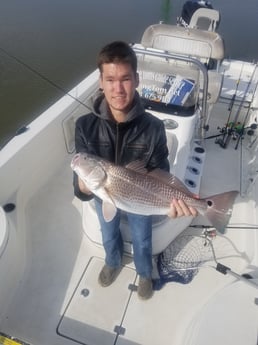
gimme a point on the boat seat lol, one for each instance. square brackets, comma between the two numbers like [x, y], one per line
[205, 19]
[204, 45]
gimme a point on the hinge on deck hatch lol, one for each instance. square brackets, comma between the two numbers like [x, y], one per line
[132, 287]
[119, 330]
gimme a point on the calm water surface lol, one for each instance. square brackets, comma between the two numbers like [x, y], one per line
[60, 39]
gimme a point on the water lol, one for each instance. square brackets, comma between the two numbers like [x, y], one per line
[60, 39]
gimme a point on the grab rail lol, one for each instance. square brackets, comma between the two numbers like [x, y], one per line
[3, 231]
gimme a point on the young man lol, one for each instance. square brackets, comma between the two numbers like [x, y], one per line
[119, 130]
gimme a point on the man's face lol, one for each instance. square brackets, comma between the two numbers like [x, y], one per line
[118, 82]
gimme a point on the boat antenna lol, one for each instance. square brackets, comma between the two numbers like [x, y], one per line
[42, 76]
[166, 11]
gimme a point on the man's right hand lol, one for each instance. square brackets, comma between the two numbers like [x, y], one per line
[179, 208]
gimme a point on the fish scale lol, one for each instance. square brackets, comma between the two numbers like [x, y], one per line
[145, 191]
[133, 189]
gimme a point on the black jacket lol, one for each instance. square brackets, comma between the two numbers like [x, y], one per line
[141, 137]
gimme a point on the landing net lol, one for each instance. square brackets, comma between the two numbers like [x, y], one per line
[181, 260]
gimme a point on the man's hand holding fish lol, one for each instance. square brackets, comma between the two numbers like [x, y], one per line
[179, 209]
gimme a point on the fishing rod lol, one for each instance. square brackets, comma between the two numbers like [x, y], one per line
[250, 132]
[225, 129]
[202, 226]
[252, 143]
[42, 76]
[253, 126]
[234, 122]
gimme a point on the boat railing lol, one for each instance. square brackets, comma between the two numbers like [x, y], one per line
[189, 61]
[3, 230]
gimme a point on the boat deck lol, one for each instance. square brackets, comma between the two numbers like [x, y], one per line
[59, 301]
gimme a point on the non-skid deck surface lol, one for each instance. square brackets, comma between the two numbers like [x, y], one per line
[94, 314]
[235, 308]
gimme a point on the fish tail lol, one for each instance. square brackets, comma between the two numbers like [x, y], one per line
[219, 209]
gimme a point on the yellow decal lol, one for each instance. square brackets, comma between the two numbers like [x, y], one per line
[7, 341]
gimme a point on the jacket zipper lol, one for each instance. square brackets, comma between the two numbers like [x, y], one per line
[117, 144]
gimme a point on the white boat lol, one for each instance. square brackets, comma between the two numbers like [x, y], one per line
[50, 244]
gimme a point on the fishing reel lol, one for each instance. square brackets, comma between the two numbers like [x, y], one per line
[234, 131]
[231, 129]
[251, 129]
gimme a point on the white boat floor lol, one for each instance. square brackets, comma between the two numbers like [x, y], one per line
[91, 311]
[59, 300]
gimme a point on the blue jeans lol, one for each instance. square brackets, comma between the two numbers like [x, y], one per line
[141, 233]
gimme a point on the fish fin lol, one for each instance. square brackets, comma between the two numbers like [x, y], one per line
[108, 206]
[220, 209]
[138, 166]
[171, 180]
[108, 210]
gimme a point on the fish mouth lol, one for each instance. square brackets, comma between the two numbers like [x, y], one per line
[75, 161]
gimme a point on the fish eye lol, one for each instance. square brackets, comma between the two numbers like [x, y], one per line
[209, 203]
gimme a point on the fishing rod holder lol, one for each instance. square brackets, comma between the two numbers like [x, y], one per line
[245, 278]
[237, 132]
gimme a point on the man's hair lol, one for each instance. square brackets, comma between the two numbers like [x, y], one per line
[117, 52]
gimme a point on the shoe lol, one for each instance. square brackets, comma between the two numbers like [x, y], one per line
[108, 275]
[145, 288]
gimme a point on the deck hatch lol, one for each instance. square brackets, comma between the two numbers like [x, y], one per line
[93, 319]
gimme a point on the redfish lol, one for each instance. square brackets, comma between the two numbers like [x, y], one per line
[133, 189]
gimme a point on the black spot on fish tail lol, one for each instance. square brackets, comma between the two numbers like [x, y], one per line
[219, 209]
